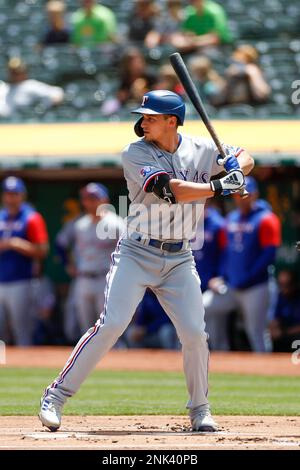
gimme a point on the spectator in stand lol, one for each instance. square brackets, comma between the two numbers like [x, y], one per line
[205, 25]
[168, 24]
[135, 81]
[207, 80]
[93, 24]
[209, 260]
[143, 28]
[23, 240]
[253, 235]
[57, 32]
[285, 324]
[22, 92]
[168, 80]
[244, 80]
[136, 78]
[151, 327]
[91, 241]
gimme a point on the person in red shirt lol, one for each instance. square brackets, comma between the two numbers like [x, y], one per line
[23, 241]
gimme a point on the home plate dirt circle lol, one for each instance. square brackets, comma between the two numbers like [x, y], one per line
[151, 433]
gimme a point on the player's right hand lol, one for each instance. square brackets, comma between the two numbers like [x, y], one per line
[230, 162]
[234, 180]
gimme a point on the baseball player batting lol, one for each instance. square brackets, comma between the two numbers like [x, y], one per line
[168, 178]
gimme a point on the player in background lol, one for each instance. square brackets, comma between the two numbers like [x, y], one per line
[90, 260]
[284, 325]
[23, 240]
[209, 258]
[64, 247]
[210, 266]
[253, 235]
[167, 176]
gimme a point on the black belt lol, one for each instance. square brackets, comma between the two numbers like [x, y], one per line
[166, 246]
[171, 247]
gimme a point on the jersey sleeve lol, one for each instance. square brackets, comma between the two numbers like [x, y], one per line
[36, 229]
[139, 165]
[269, 231]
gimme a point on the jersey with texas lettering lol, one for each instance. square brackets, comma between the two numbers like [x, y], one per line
[194, 161]
[252, 240]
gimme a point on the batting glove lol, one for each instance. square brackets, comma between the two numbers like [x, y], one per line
[230, 162]
[233, 181]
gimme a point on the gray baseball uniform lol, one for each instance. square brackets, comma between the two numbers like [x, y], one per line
[92, 257]
[138, 263]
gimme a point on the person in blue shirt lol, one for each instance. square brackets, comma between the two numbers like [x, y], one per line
[253, 234]
[23, 243]
[210, 258]
[285, 323]
[209, 264]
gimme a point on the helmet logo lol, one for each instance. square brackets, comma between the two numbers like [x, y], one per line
[145, 98]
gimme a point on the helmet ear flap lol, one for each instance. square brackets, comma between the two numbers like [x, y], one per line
[138, 128]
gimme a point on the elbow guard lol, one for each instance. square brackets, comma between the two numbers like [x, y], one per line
[160, 186]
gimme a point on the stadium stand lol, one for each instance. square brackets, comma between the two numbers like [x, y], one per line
[89, 76]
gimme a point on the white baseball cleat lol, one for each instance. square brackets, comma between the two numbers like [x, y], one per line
[204, 422]
[50, 414]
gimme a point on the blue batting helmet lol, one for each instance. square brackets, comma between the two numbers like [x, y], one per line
[160, 102]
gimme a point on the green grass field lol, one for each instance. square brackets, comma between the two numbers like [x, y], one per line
[134, 393]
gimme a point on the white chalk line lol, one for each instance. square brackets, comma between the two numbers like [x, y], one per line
[260, 440]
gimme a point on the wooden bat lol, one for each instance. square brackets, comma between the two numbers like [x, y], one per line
[192, 92]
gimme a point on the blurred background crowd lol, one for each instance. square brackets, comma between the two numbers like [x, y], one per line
[91, 60]
[88, 60]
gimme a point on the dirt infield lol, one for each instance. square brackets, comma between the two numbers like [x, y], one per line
[158, 360]
[153, 432]
[150, 433]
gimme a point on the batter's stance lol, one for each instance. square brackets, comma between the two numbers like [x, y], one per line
[166, 173]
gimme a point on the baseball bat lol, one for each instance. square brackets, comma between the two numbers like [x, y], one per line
[192, 92]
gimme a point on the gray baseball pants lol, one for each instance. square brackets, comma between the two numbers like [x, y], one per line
[89, 295]
[175, 281]
[253, 303]
[16, 299]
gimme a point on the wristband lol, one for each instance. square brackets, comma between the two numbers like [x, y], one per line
[216, 186]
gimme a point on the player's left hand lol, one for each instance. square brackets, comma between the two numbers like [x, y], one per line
[234, 180]
[230, 162]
